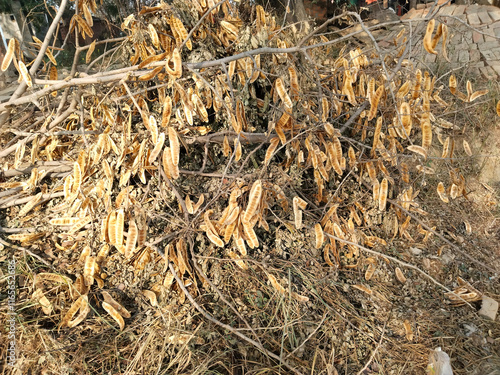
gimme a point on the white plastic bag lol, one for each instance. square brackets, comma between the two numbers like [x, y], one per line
[439, 363]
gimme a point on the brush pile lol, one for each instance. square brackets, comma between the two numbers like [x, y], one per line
[210, 153]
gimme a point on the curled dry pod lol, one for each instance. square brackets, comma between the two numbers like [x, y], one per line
[174, 64]
[376, 190]
[453, 84]
[114, 314]
[89, 270]
[370, 271]
[374, 102]
[110, 300]
[436, 37]
[66, 321]
[400, 276]
[120, 222]
[43, 301]
[498, 108]
[151, 296]
[428, 37]
[320, 236]
[441, 193]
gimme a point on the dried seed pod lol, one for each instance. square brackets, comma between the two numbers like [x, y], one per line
[43, 301]
[174, 64]
[252, 239]
[174, 145]
[276, 285]
[418, 150]
[374, 102]
[280, 88]
[403, 90]
[441, 192]
[294, 82]
[428, 37]
[114, 314]
[320, 236]
[120, 221]
[452, 84]
[270, 150]
[237, 149]
[88, 56]
[237, 259]
[405, 113]
[167, 112]
[89, 270]
[66, 321]
[498, 108]
[9, 54]
[370, 271]
[400, 276]
[426, 134]
[436, 37]
[408, 330]
[30, 205]
[157, 149]
[112, 228]
[79, 224]
[131, 239]
[382, 200]
[253, 201]
[119, 308]
[376, 190]
[446, 148]
[23, 71]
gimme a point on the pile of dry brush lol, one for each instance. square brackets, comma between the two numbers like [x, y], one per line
[223, 137]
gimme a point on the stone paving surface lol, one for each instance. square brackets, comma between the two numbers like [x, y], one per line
[474, 40]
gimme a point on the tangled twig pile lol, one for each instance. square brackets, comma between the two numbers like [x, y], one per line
[222, 136]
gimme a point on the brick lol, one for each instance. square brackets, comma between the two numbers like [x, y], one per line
[459, 10]
[495, 16]
[488, 45]
[488, 55]
[488, 72]
[463, 56]
[430, 58]
[485, 19]
[496, 67]
[447, 11]
[473, 19]
[474, 55]
[477, 37]
[472, 9]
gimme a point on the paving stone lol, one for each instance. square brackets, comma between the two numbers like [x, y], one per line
[478, 64]
[467, 37]
[495, 16]
[488, 55]
[488, 72]
[490, 39]
[448, 10]
[460, 9]
[477, 37]
[471, 9]
[488, 45]
[473, 19]
[474, 55]
[430, 58]
[463, 56]
[485, 19]
[489, 308]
